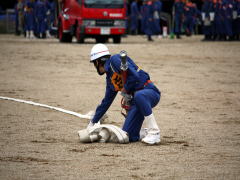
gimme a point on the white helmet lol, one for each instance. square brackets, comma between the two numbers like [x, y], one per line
[98, 50]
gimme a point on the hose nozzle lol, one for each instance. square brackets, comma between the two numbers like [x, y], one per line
[123, 56]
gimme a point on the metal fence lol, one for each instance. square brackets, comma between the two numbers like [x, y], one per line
[7, 21]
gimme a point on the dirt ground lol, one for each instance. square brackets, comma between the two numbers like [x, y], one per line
[199, 112]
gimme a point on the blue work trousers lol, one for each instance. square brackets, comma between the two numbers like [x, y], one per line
[29, 22]
[41, 25]
[143, 102]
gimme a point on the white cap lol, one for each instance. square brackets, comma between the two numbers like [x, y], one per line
[98, 50]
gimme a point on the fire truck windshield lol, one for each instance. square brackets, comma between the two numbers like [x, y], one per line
[103, 3]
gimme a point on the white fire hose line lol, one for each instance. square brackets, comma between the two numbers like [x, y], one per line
[85, 116]
[85, 134]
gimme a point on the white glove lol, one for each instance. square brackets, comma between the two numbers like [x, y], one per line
[48, 12]
[127, 97]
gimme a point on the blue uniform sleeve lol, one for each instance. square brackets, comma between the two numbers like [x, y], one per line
[133, 77]
[105, 104]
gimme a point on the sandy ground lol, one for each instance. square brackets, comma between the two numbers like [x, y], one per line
[199, 113]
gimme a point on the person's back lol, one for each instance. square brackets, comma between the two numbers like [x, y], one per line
[112, 66]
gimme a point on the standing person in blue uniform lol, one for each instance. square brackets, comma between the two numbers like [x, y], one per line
[214, 36]
[212, 21]
[178, 9]
[196, 15]
[50, 8]
[35, 28]
[29, 18]
[143, 12]
[238, 20]
[138, 92]
[41, 17]
[134, 17]
[219, 21]
[127, 18]
[207, 8]
[157, 8]
[16, 20]
[234, 20]
[228, 7]
[188, 18]
[149, 28]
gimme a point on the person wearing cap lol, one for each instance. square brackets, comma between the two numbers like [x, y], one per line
[138, 92]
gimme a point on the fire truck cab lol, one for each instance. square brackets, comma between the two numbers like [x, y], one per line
[99, 19]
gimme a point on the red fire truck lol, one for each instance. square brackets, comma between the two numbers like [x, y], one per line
[99, 19]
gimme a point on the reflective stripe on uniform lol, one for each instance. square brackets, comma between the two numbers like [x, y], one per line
[112, 67]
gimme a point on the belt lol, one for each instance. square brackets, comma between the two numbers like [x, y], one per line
[147, 82]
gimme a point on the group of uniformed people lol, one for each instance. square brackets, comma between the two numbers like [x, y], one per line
[149, 16]
[221, 20]
[34, 17]
[186, 16]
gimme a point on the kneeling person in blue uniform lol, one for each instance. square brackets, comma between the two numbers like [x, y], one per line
[140, 95]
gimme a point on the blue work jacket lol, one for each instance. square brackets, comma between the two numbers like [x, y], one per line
[136, 78]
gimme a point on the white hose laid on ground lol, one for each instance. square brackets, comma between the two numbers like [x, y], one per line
[102, 133]
[89, 115]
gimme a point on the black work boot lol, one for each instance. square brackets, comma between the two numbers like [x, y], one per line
[150, 38]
